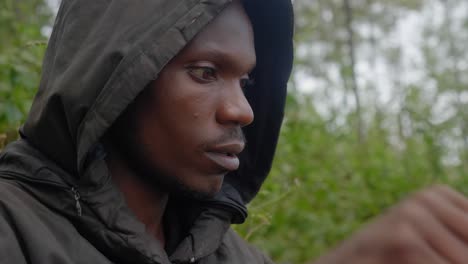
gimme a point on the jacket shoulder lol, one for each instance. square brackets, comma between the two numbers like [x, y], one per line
[31, 232]
[241, 251]
[11, 242]
[15, 201]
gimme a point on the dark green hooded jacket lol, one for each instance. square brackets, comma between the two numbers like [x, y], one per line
[58, 203]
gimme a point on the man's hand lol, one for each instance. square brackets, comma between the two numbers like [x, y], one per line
[430, 227]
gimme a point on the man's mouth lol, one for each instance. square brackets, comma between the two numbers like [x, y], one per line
[228, 161]
[225, 155]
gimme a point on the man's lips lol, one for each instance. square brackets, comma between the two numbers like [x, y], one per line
[225, 155]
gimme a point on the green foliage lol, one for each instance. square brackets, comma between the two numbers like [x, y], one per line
[325, 185]
[21, 49]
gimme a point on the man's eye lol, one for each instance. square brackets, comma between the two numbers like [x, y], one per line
[205, 74]
[246, 83]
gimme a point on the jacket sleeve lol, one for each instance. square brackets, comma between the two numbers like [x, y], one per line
[267, 260]
[259, 254]
[10, 244]
[242, 251]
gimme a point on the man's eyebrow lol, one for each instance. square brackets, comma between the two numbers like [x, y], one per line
[226, 57]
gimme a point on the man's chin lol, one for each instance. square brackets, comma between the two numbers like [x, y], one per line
[194, 194]
[202, 190]
[198, 192]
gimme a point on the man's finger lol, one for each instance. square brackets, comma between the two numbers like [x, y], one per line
[439, 226]
[457, 198]
[443, 205]
[413, 245]
[430, 256]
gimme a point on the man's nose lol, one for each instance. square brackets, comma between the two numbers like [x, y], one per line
[234, 108]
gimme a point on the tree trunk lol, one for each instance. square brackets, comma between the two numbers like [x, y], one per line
[352, 64]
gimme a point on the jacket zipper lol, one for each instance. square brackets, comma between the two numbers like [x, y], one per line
[74, 190]
[77, 196]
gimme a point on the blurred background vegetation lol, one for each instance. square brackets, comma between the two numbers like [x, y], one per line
[377, 108]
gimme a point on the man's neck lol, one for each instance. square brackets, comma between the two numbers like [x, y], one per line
[146, 203]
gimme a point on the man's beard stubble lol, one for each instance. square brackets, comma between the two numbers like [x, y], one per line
[136, 157]
[137, 160]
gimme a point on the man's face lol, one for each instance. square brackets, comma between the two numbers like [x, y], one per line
[184, 130]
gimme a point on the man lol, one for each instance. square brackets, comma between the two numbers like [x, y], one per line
[134, 150]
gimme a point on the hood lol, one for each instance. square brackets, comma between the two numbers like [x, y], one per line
[102, 54]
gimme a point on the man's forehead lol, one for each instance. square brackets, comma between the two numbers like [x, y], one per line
[233, 20]
[230, 34]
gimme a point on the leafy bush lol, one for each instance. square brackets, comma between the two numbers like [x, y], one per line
[22, 46]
